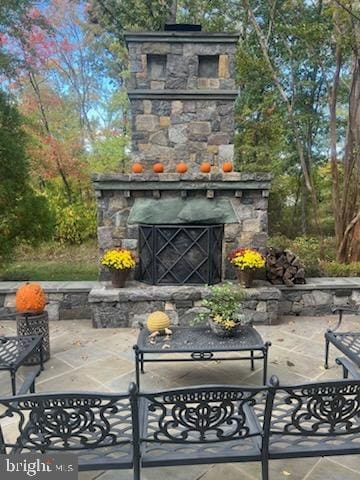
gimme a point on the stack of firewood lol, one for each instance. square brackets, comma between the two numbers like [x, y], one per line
[284, 267]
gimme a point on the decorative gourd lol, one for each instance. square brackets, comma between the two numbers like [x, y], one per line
[30, 298]
[137, 168]
[227, 167]
[158, 167]
[205, 167]
[181, 167]
[157, 322]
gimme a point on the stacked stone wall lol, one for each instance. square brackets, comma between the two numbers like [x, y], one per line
[182, 66]
[131, 306]
[190, 131]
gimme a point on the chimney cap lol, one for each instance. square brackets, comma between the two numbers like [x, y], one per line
[182, 27]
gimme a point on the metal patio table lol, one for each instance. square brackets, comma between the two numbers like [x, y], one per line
[14, 351]
[200, 344]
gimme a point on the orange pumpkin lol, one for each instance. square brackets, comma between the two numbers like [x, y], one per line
[137, 168]
[227, 167]
[158, 167]
[30, 298]
[205, 167]
[181, 167]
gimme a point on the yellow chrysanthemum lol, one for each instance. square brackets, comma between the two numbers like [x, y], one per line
[247, 258]
[119, 259]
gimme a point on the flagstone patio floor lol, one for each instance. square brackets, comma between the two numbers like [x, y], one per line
[83, 358]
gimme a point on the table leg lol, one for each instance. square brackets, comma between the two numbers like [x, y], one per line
[142, 362]
[13, 381]
[327, 343]
[265, 352]
[137, 361]
[252, 360]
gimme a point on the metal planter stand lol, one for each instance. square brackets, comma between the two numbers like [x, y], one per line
[35, 324]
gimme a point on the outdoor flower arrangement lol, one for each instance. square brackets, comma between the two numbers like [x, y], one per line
[223, 310]
[246, 261]
[119, 261]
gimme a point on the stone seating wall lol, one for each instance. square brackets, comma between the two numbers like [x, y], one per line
[126, 307]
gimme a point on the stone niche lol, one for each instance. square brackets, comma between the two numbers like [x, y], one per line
[182, 91]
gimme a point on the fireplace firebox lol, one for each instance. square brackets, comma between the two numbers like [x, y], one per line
[180, 254]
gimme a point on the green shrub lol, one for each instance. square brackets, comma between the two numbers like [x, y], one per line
[75, 223]
[335, 269]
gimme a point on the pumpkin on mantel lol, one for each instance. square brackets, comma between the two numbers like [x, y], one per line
[158, 168]
[30, 298]
[181, 167]
[227, 167]
[137, 168]
[205, 167]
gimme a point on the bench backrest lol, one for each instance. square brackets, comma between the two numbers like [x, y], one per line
[64, 421]
[317, 409]
[187, 416]
[205, 414]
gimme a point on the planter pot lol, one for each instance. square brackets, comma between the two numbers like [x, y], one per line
[119, 277]
[220, 331]
[245, 277]
[35, 325]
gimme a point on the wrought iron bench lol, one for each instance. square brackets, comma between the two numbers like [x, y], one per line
[199, 425]
[347, 342]
[95, 427]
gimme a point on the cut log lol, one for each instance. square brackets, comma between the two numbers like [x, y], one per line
[284, 267]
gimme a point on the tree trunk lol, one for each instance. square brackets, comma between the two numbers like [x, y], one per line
[349, 246]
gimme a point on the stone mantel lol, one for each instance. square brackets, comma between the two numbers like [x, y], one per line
[173, 181]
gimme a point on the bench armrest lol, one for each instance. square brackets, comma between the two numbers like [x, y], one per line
[349, 367]
[29, 382]
[340, 310]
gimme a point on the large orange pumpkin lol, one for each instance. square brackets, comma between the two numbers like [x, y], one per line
[227, 167]
[205, 167]
[181, 167]
[158, 167]
[137, 168]
[30, 298]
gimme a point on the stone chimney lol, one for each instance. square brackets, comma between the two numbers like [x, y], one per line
[182, 93]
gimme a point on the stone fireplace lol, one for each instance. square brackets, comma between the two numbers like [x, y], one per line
[181, 226]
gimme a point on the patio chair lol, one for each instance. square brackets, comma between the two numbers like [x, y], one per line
[347, 342]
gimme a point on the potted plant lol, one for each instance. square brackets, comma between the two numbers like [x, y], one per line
[246, 261]
[119, 261]
[32, 319]
[223, 310]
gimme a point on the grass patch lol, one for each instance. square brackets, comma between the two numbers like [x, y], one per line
[53, 261]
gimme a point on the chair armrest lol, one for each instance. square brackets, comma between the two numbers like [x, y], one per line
[349, 367]
[340, 310]
[343, 308]
[29, 382]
